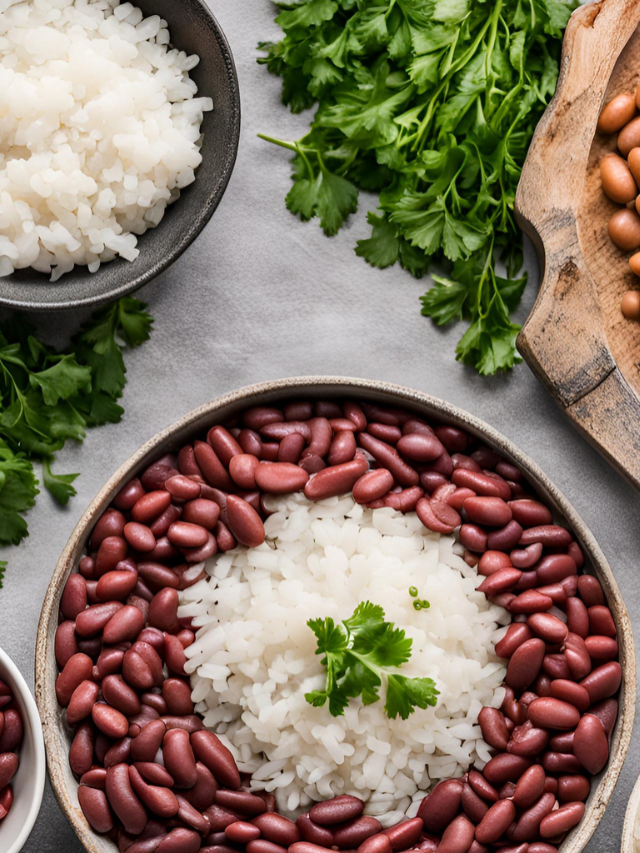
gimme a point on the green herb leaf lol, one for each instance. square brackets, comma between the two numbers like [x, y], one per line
[58, 484]
[359, 655]
[432, 105]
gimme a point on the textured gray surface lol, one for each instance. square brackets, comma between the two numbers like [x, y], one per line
[261, 296]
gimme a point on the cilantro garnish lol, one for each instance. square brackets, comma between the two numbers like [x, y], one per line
[48, 397]
[431, 104]
[359, 654]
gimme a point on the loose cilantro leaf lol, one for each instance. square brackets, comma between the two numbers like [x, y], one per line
[432, 105]
[359, 655]
[48, 397]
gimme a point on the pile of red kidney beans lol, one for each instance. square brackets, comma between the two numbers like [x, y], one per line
[154, 780]
[11, 732]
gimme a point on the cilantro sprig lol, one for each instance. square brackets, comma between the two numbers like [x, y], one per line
[361, 653]
[431, 104]
[48, 397]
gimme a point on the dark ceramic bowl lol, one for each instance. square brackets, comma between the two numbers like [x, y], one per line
[194, 30]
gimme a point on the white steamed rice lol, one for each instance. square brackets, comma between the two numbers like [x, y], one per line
[99, 131]
[253, 659]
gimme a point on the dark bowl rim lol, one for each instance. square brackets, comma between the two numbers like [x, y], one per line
[200, 220]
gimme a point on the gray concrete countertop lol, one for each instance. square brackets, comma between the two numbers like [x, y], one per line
[262, 296]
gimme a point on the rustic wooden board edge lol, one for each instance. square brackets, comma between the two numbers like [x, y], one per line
[564, 339]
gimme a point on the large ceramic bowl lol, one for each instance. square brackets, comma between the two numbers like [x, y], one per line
[223, 409]
[28, 783]
[194, 30]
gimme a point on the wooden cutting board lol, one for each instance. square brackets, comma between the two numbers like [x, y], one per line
[576, 340]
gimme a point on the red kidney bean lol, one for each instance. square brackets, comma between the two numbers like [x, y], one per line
[442, 511]
[163, 611]
[123, 801]
[159, 800]
[555, 568]
[109, 721]
[526, 558]
[505, 768]
[548, 627]
[601, 622]
[158, 576]
[83, 699]
[214, 754]
[180, 487]
[405, 834]
[336, 480]
[187, 464]
[457, 498]
[420, 447]
[472, 805]
[186, 535]
[562, 820]
[128, 495]
[372, 486]
[549, 535]
[492, 561]
[530, 601]
[174, 655]
[601, 648]
[95, 808]
[152, 505]
[530, 787]
[116, 585]
[591, 744]
[81, 750]
[124, 625]
[506, 538]
[556, 666]
[577, 656]
[473, 537]
[177, 696]
[224, 444]
[120, 696]
[139, 536]
[241, 832]
[179, 759]
[212, 468]
[491, 511]
[291, 447]
[482, 788]
[336, 810]
[573, 788]
[280, 478]
[577, 617]
[8, 768]
[277, 829]
[481, 483]
[145, 746]
[527, 827]
[376, 844]
[74, 597]
[244, 522]
[426, 514]
[205, 513]
[530, 513]
[66, 645]
[180, 840]
[525, 664]
[541, 847]
[570, 692]
[389, 458]
[553, 713]
[431, 480]
[309, 847]
[495, 822]
[279, 431]
[86, 567]
[590, 591]
[250, 442]
[241, 802]
[313, 832]
[527, 741]
[500, 581]
[459, 460]
[453, 439]
[385, 432]
[112, 550]
[261, 845]
[494, 729]
[78, 668]
[110, 523]
[458, 836]
[353, 833]
[558, 762]
[300, 410]
[439, 808]
[517, 634]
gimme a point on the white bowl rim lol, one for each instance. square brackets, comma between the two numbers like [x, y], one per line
[39, 771]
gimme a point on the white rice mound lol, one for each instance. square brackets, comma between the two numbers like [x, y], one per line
[99, 131]
[254, 656]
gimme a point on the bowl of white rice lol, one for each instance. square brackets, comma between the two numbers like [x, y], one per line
[258, 601]
[119, 128]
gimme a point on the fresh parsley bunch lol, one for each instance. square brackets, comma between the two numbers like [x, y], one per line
[48, 397]
[432, 105]
[358, 655]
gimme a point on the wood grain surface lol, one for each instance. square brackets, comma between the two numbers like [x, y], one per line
[576, 339]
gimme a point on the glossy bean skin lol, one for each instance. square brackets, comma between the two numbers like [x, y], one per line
[591, 744]
[95, 807]
[525, 663]
[617, 181]
[123, 801]
[495, 822]
[458, 836]
[617, 113]
[529, 787]
[624, 229]
[562, 820]
[214, 754]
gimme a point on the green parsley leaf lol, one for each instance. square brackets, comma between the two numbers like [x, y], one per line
[58, 484]
[359, 655]
[432, 105]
